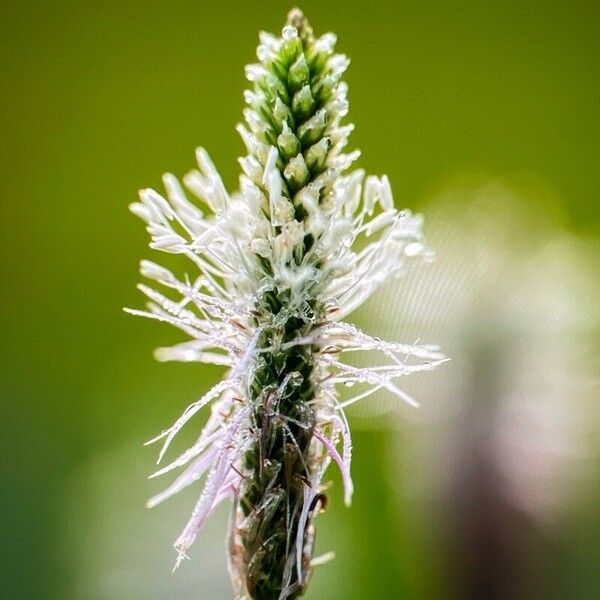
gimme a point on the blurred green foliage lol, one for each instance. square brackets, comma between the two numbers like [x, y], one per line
[98, 99]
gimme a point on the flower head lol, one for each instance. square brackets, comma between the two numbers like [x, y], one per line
[276, 267]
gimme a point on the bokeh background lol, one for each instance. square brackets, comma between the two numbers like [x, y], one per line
[485, 117]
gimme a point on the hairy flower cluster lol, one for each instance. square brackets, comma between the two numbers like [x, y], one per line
[277, 266]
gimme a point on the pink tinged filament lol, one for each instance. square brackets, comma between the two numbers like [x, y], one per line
[341, 463]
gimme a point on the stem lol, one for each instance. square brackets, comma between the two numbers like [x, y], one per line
[278, 464]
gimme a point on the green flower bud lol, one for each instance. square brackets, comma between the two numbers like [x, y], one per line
[298, 74]
[303, 102]
[281, 112]
[316, 155]
[288, 143]
[296, 172]
[313, 129]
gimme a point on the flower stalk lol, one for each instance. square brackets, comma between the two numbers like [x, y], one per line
[278, 265]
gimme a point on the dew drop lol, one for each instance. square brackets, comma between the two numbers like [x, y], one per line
[413, 249]
[289, 32]
[262, 53]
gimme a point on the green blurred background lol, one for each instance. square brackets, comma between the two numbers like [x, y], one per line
[98, 99]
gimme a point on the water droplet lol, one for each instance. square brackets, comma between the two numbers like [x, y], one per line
[413, 249]
[289, 32]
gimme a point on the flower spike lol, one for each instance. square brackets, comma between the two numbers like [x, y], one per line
[278, 264]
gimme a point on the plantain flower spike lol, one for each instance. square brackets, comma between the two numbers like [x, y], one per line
[276, 267]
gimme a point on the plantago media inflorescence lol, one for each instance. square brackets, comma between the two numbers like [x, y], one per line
[277, 267]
